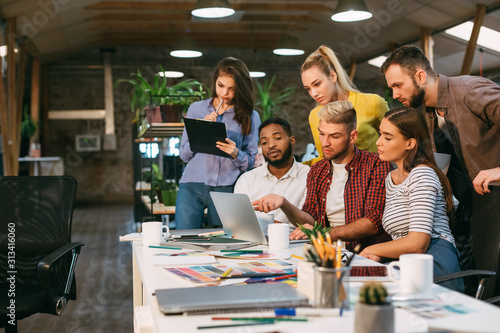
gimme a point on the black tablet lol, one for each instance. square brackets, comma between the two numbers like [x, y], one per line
[204, 134]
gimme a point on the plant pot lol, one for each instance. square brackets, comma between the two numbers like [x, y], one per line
[159, 195]
[155, 115]
[171, 113]
[169, 197]
[373, 318]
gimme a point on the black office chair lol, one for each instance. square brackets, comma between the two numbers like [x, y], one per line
[481, 275]
[35, 247]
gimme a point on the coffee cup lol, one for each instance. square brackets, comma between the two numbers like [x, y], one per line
[154, 232]
[415, 273]
[278, 236]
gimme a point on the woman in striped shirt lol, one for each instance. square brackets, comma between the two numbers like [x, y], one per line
[418, 195]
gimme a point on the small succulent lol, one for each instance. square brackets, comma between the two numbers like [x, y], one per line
[314, 231]
[373, 293]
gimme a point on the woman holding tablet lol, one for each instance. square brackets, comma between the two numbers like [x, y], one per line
[231, 103]
[418, 195]
[326, 81]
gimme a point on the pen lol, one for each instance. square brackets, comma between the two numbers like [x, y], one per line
[250, 323]
[243, 251]
[259, 318]
[308, 312]
[226, 273]
[165, 247]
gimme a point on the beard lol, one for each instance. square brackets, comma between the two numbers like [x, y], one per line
[338, 154]
[418, 95]
[284, 157]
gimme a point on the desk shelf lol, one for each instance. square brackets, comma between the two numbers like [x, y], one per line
[158, 208]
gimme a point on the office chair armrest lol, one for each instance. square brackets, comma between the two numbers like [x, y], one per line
[482, 274]
[57, 303]
[462, 274]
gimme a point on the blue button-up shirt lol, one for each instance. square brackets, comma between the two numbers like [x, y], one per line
[215, 170]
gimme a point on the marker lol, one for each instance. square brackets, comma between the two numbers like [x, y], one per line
[165, 247]
[308, 312]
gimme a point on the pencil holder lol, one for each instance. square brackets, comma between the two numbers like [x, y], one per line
[331, 289]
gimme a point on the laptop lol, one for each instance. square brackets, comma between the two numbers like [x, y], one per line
[238, 217]
[254, 297]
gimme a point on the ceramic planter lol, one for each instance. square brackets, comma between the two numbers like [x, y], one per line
[370, 318]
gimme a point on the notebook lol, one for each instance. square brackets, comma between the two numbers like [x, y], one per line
[203, 136]
[238, 217]
[258, 296]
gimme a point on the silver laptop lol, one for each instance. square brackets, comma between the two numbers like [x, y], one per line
[253, 297]
[238, 217]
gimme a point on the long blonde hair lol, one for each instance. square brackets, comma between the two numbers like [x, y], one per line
[326, 60]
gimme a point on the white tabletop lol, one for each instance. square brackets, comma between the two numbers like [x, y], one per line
[158, 278]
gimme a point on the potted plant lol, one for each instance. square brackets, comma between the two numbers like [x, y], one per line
[166, 191]
[373, 314]
[180, 95]
[269, 102]
[28, 131]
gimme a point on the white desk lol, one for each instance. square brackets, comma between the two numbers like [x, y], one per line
[148, 278]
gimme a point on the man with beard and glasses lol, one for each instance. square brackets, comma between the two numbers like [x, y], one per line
[464, 117]
[345, 190]
[281, 174]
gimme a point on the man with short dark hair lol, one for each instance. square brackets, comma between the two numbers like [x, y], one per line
[345, 190]
[281, 174]
[464, 116]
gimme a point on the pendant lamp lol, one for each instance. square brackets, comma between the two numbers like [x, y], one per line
[288, 46]
[212, 9]
[186, 48]
[351, 11]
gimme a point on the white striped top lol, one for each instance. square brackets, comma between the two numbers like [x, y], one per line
[417, 204]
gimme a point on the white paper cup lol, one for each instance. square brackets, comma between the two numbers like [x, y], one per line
[278, 236]
[265, 220]
[152, 233]
[416, 273]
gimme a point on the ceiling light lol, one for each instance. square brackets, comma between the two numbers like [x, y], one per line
[351, 11]
[212, 9]
[487, 38]
[378, 61]
[171, 74]
[186, 48]
[257, 74]
[288, 46]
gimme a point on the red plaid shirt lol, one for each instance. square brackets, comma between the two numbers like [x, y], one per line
[364, 193]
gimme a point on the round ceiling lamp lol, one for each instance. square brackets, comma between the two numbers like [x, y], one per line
[288, 46]
[186, 48]
[256, 74]
[351, 11]
[212, 9]
[171, 74]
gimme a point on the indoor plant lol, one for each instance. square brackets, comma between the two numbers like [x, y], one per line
[181, 94]
[166, 191]
[374, 314]
[268, 102]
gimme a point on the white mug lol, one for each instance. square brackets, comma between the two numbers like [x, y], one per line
[416, 272]
[265, 219]
[278, 234]
[152, 233]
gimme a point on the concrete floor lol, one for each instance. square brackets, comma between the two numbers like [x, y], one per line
[103, 275]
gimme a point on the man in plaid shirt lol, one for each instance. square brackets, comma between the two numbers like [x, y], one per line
[345, 190]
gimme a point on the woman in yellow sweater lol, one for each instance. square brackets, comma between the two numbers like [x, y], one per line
[326, 81]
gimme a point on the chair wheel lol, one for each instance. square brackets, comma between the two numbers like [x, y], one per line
[60, 305]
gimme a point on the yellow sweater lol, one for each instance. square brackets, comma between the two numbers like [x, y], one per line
[370, 109]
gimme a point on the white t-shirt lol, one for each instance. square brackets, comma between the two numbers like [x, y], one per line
[417, 204]
[259, 182]
[335, 206]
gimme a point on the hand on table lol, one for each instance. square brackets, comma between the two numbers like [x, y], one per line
[299, 234]
[228, 147]
[483, 179]
[370, 256]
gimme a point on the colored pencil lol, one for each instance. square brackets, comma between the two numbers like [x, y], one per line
[298, 257]
[236, 325]
[243, 251]
[165, 247]
[260, 318]
[226, 273]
